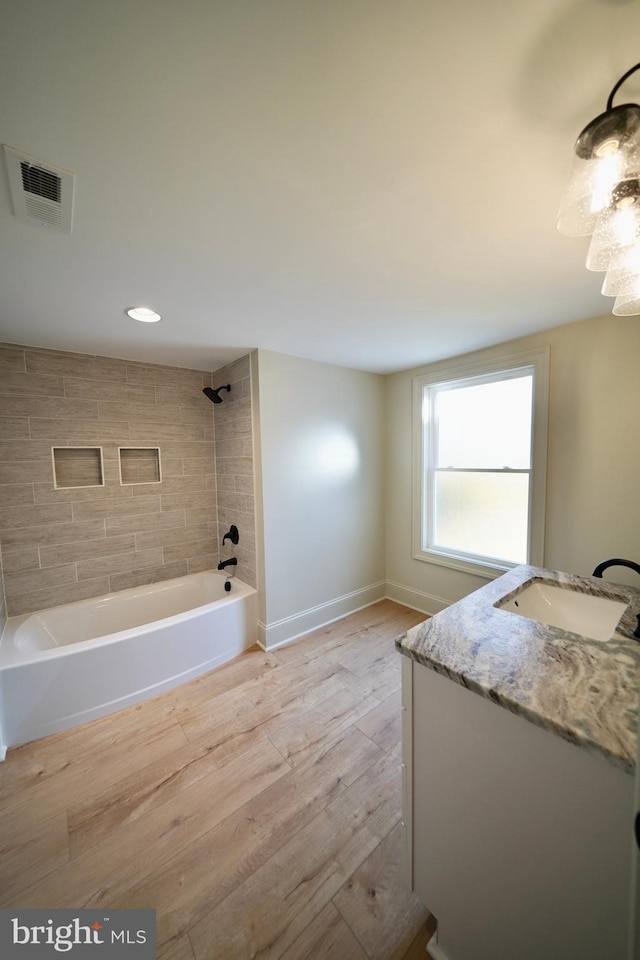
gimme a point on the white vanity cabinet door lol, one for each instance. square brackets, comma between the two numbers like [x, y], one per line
[407, 771]
[634, 937]
[520, 840]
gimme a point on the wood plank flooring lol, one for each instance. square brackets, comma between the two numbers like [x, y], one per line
[256, 808]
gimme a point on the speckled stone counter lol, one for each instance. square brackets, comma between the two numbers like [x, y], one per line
[583, 690]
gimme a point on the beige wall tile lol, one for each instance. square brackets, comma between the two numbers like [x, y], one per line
[244, 484]
[227, 483]
[188, 396]
[103, 390]
[49, 408]
[239, 503]
[187, 500]
[173, 485]
[30, 384]
[92, 509]
[233, 447]
[74, 365]
[16, 559]
[122, 581]
[16, 493]
[11, 450]
[235, 465]
[238, 370]
[201, 465]
[86, 550]
[88, 432]
[140, 523]
[191, 413]
[35, 580]
[236, 409]
[51, 533]
[13, 427]
[153, 412]
[26, 471]
[47, 493]
[226, 429]
[11, 359]
[198, 564]
[165, 376]
[147, 433]
[205, 549]
[30, 515]
[111, 461]
[171, 467]
[202, 514]
[173, 536]
[186, 450]
[119, 563]
[42, 599]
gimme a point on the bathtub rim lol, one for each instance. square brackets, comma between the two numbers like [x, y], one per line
[11, 657]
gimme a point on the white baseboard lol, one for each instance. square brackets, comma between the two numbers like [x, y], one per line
[433, 950]
[292, 628]
[416, 599]
[283, 631]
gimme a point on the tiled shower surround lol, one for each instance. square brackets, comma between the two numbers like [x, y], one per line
[234, 465]
[61, 545]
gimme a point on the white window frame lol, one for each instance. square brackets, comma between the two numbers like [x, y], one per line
[424, 451]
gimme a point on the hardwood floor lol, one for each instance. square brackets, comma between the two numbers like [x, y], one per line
[256, 808]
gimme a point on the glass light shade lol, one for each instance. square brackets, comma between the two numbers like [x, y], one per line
[606, 153]
[616, 232]
[588, 193]
[627, 306]
[625, 279]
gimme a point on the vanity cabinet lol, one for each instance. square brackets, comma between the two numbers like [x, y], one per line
[517, 841]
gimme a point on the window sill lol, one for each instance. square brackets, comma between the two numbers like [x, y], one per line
[488, 570]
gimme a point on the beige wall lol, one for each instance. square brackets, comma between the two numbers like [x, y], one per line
[234, 466]
[73, 543]
[593, 465]
[320, 492]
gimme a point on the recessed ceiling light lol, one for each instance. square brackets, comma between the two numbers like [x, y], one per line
[143, 314]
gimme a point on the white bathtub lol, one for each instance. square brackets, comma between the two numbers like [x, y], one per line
[70, 664]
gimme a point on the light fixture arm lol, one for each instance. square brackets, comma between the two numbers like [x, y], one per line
[625, 76]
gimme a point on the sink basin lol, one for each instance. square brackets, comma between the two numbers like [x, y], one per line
[592, 617]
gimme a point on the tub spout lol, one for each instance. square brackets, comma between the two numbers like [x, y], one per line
[231, 562]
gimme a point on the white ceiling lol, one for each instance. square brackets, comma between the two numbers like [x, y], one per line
[371, 183]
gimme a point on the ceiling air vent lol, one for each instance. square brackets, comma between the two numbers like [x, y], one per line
[40, 191]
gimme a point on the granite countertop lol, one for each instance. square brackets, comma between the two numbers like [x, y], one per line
[583, 690]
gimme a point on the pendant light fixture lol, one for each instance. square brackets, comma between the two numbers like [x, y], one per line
[602, 198]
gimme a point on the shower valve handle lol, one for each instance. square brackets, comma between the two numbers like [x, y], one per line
[232, 535]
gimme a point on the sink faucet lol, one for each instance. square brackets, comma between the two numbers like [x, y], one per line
[232, 562]
[615, 562]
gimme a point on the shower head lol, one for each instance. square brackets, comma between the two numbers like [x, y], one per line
[214, 395]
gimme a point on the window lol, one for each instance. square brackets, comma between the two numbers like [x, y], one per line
[480, 433]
